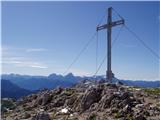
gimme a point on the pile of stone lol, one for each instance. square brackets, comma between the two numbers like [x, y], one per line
[98, 101]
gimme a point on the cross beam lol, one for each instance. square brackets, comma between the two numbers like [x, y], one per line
[109, 26]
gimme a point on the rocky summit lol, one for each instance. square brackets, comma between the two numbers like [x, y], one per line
[88, 100]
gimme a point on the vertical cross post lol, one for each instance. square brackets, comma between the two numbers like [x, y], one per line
[109, 26]
[109, 32]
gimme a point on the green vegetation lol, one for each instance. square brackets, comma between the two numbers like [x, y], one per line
[134, 88]
[117, 115]
[130, 117]
[154, 91]
[68, 91]
[6, 104]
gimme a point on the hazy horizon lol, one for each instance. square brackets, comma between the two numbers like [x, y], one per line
[77, 75]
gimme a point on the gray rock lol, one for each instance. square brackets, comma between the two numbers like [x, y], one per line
[59, 102]
[25, 116]
[46, 98]
[91, 96]
[42, 99]
[140, 117]
[42, 116]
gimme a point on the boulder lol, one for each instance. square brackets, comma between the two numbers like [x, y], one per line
[42, 99]
[25, 116]
[46, 98]
[140, 117]
[71, 100]
[42, 115]
[59, 102]
[106, 101]
[90, 96]
[125, 95]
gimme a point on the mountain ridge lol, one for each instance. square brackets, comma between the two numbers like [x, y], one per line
[53, 80]
[11, 90]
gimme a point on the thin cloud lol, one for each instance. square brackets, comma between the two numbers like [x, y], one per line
[36, 50]
[32, 64]
[16, 58]
[24, 63]
[38, 66]
[11, 62]
[8, 58]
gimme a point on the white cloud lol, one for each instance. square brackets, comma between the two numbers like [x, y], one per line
[11, 62]
[19, 62]
[36, 50]
[9, 57]
[32, 64]
[38, 66]
[15, 60]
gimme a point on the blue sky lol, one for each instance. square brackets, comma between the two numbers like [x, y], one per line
[39, 38]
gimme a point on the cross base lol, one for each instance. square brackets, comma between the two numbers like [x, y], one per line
[109, 76]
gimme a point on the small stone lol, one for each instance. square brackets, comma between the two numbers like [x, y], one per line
[42, 115]
[140, 117]
[25, 116]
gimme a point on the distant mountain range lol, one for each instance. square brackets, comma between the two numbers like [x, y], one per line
[41, 82]
[15, 85]
[142, 83]
[11, 90]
